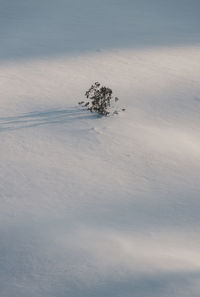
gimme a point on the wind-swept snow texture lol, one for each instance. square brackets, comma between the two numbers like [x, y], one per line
[90, 206]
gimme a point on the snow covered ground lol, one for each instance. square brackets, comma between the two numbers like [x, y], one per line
[95, 206]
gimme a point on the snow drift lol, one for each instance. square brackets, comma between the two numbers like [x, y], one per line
[99, 206]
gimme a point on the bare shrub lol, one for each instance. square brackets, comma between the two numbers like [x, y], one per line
[101, 100]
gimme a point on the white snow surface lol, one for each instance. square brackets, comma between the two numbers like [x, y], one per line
[91, 206]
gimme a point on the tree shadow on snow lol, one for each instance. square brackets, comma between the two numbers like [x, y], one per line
[41, 118]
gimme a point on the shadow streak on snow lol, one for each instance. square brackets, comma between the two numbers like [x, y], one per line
[58, 278]
[41, 118]
[41, 28]
[156, 285]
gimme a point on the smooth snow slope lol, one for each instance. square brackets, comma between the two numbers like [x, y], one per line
[99, 206]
